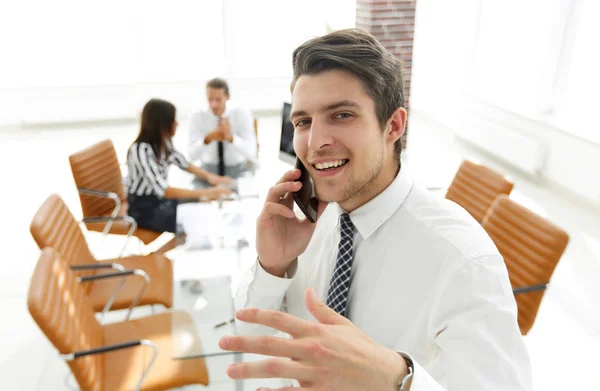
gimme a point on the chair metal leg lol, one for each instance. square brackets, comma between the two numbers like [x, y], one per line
[146, 342]
[112, 298]
[140, 293]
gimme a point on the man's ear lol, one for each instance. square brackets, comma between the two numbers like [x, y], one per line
[396, 125]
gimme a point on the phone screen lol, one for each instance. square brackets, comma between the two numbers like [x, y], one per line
[305, 198]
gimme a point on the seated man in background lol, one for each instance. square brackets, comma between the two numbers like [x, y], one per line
[222, 137]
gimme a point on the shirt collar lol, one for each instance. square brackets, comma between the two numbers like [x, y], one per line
[225, 113]
[370, 216]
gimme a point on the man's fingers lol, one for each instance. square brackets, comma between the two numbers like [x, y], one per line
[271, 368]
[321, 311]
[290, 176]
[274, 209]
[278, 320]
[276, 347]
[265, 345]
[280, 190]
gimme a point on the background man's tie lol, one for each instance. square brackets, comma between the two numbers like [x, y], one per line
[221, 169]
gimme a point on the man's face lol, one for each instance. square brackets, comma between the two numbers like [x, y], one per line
[339, 139]
[217, 100]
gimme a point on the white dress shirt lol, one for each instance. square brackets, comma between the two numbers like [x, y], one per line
[426, 280]
[241, 150]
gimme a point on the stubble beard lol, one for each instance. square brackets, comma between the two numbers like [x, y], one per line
[355, 187]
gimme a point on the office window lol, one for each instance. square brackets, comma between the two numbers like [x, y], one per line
[65, 43]
[262, 34]
[517, 53]
[579, 80]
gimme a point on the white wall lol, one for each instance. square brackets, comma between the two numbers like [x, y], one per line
[68, 60]
[488, 68]
[35, 106]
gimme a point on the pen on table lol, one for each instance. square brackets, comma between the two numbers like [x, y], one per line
[223, 323]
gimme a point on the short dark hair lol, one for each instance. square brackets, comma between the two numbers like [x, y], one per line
[359, 53]
[218, 84]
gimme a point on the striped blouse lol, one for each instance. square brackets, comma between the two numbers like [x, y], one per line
[147, 175]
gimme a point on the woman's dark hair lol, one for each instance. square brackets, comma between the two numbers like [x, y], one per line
[158, 117]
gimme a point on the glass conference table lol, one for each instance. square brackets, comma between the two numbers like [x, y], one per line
[205, 280]
[211, 309]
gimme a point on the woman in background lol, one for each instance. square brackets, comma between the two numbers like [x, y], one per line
[152, 202]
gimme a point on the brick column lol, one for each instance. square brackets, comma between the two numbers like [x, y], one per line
[392, 22]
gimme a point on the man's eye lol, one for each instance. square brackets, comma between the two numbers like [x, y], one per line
[302, 122]
[342, 116]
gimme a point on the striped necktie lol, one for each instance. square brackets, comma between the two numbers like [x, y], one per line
[337, 296]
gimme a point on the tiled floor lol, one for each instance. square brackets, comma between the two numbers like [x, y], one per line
[563, 343]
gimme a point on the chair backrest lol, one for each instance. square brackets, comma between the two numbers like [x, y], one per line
[60, 308]
[475, 187]
[54, 226]
[531, 247]
[97, 168]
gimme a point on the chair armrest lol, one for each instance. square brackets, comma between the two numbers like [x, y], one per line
[99, 193]
[104, 194]
[102, 349]
[123, 274]
[106, 276]
[119, 346]
[106, 219]
[96, 266]
[110, 219]
[530, 288]
[100, 266]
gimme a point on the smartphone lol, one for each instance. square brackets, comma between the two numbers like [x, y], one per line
[306, 198]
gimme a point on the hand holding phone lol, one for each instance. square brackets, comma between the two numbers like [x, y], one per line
[280, 236]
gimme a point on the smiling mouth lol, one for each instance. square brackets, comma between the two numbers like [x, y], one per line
[328, 166]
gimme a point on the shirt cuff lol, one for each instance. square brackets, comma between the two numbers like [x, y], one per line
[422, 380]
[260, 290]
[270, 285]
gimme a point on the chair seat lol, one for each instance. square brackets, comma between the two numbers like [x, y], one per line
[123, 368]
[122, 227]
[158, 291]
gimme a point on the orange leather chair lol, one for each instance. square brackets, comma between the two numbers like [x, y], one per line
[54, 226]
[103, 198]
[128, 355]
[531, 247]
[475, 187]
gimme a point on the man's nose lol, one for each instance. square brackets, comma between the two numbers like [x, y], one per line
[320, 135]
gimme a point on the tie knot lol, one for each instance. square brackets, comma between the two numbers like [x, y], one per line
[347, 227]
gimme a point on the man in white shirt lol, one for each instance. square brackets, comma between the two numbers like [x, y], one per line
[222, 137]
[417, 295]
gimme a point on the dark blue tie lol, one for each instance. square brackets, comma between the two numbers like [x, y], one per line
[221, 152]
[337, 297]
